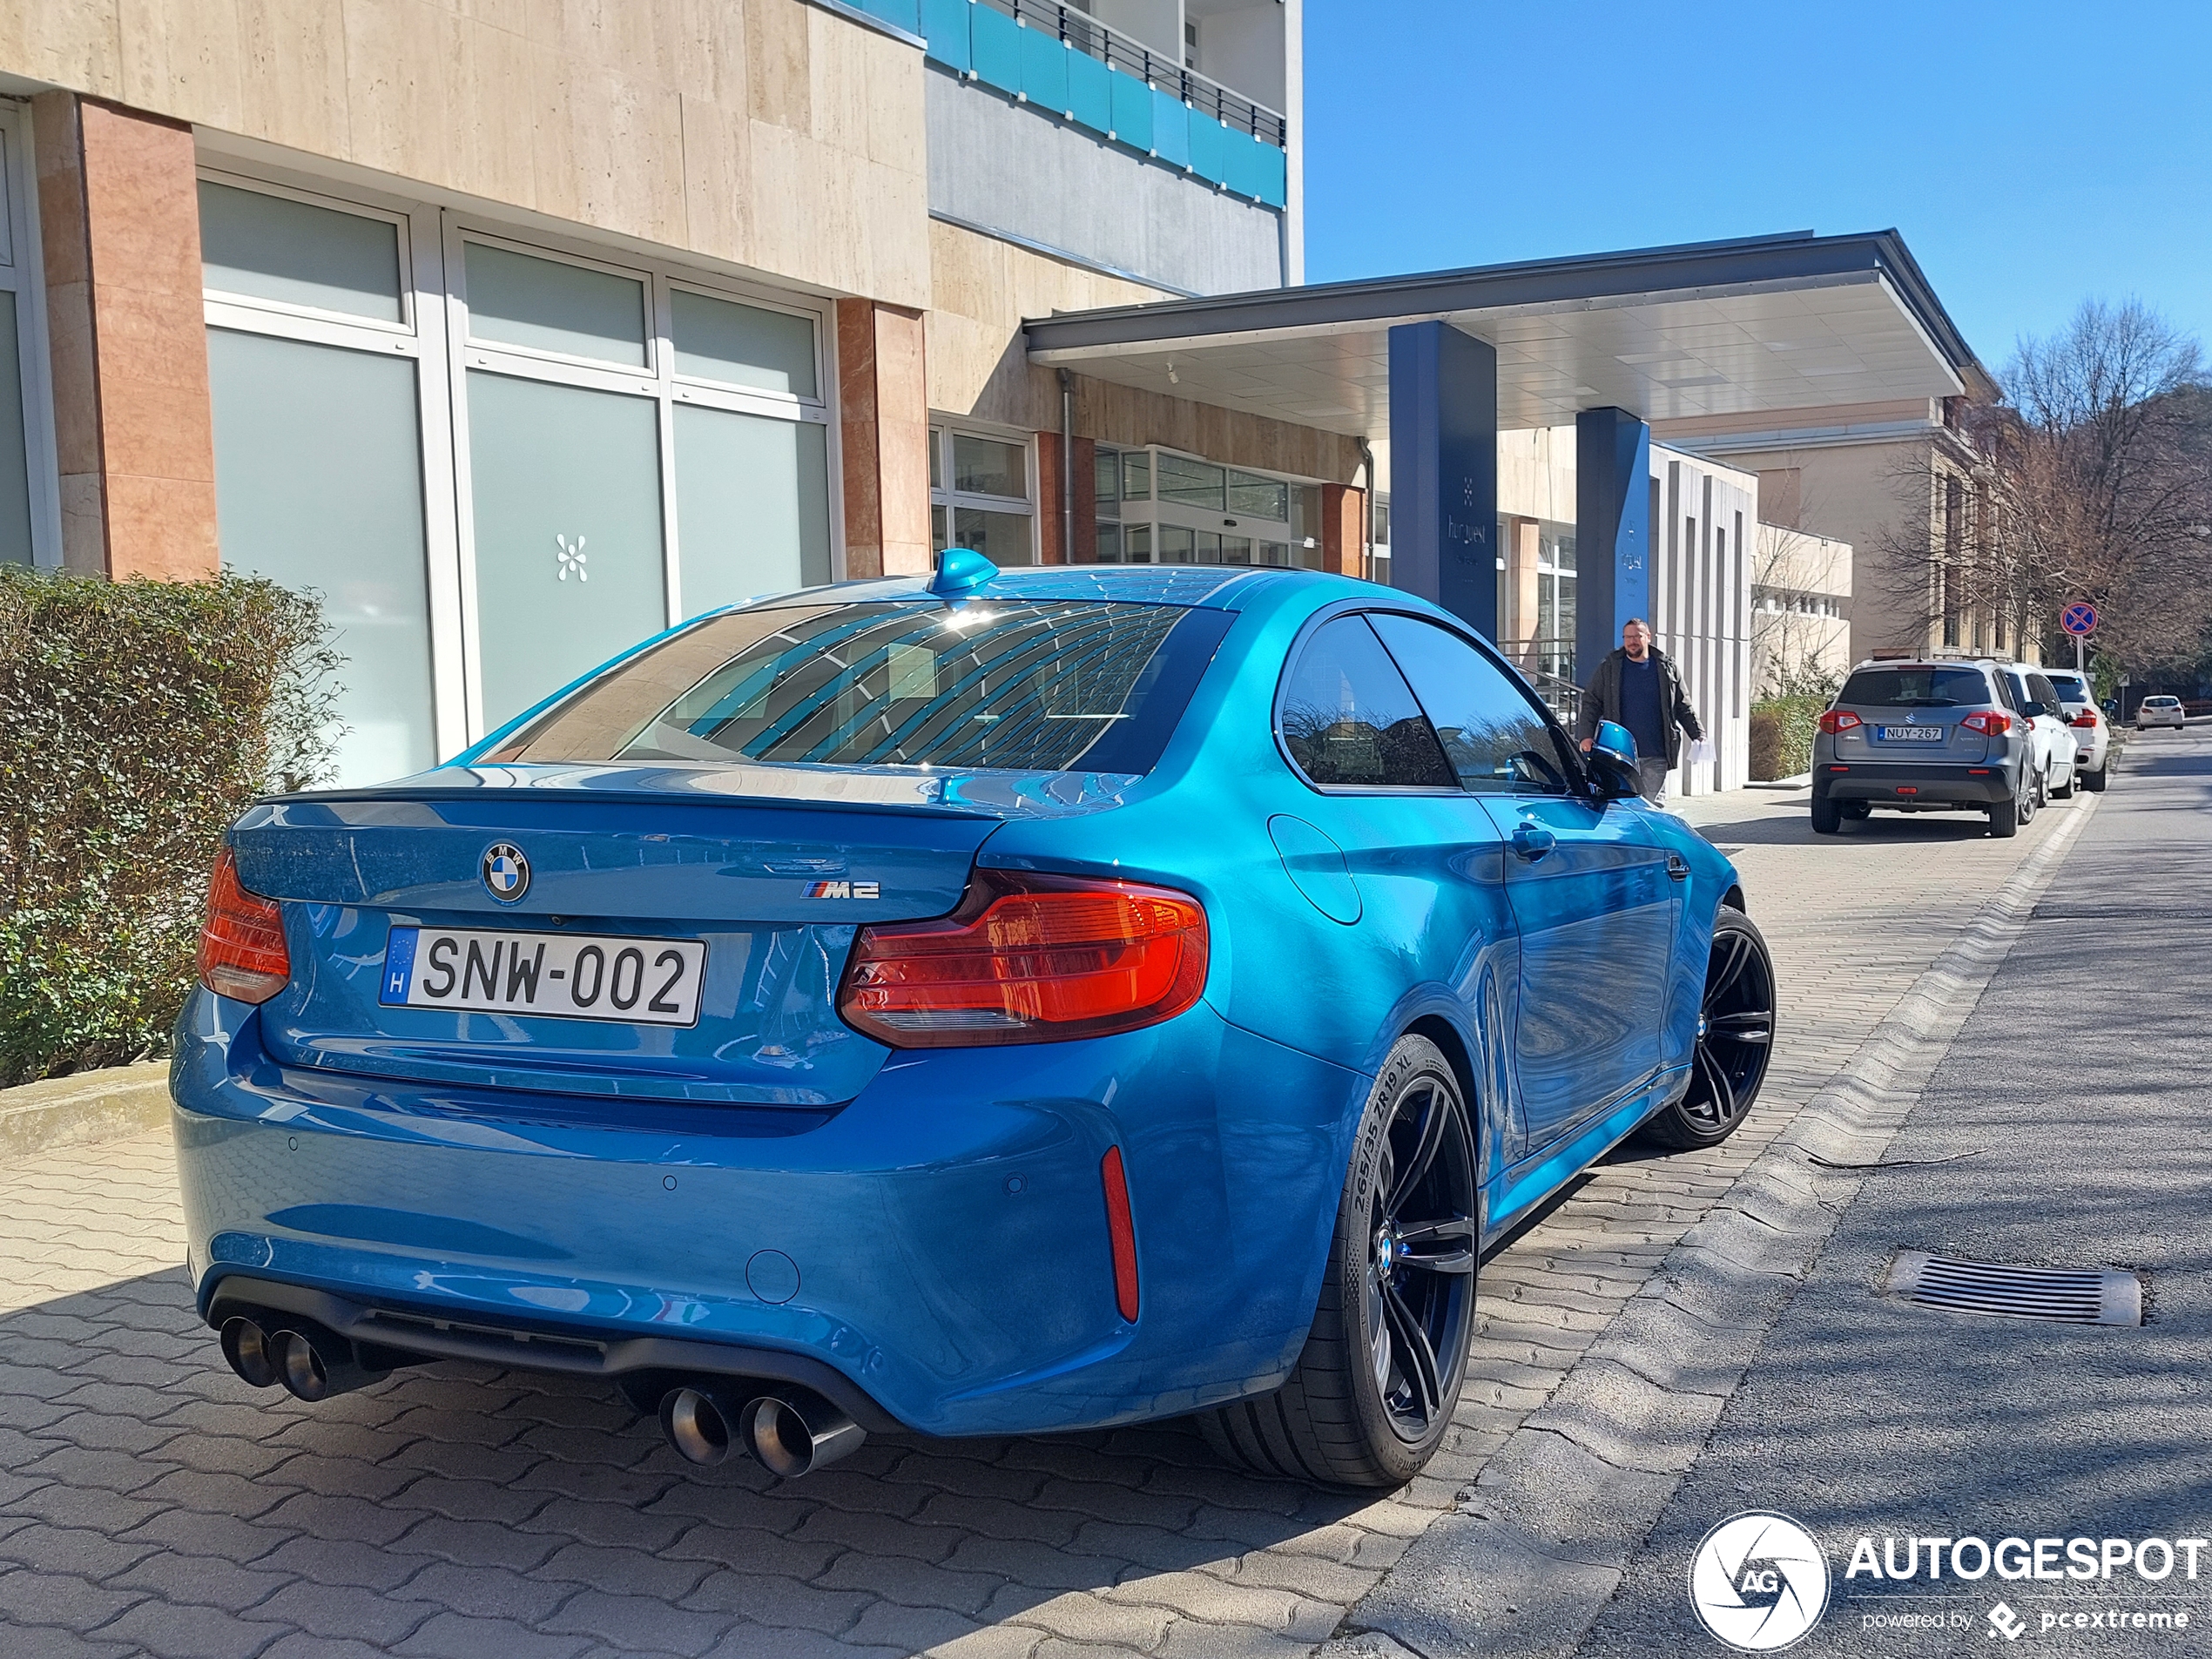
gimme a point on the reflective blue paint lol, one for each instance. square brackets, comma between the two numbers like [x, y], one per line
[493, 1168]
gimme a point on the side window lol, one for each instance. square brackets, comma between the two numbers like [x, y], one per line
[2007, 691]
[1497, 739]
[1349, 718]
[2047, 694]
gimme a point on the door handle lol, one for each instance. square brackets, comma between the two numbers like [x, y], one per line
[1678, 867]
[1532, 841]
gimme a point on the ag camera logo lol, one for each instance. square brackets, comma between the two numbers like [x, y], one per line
[1759, 1581]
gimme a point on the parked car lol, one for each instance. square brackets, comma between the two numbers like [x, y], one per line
[991, 1003]
[2159, 711]
[2037, 701]
[1926, 737]
[2092, 731]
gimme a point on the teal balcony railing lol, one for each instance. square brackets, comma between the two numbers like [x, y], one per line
[1066, 62]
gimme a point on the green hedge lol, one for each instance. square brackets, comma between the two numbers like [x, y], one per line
[1782, 733]
[136, 719]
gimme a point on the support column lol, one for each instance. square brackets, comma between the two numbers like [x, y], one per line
[1612, 530]
[883, 415]
[1444, 471]
[1344, 530]
[118, 216]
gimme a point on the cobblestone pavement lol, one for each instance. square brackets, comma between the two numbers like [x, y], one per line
[150, 1503]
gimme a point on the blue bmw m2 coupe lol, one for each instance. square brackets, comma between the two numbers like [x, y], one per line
[988, 1003]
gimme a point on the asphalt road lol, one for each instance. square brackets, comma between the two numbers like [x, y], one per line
[2069, 1124]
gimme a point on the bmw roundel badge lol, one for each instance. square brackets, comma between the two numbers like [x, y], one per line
[506, 872]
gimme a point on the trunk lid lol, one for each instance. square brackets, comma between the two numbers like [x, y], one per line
[772, 869]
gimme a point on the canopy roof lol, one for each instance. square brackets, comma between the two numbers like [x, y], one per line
[1796, 321]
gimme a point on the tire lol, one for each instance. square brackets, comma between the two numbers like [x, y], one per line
[1735, 1024]
[1335, 1422]
[2005, 819]
[1827, 817]
[2094, 781]
[2073, 784]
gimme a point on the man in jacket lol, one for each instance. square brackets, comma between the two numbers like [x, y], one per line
[1637, 686]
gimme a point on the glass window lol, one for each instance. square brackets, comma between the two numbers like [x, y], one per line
[936, 457]
[518, 299]
[751, 506]
[1137, 544]
[1107, 491]
[721, 339]
[1174, 545]
[273, 247]
[1927, 688]
[14, 468]
[1496, 739]
[1029, 687]
[2046, 693]
[1348, 717]
[566, 485]
[318, 484]
[988, 467]
[1003, 538]
[1259, 498]
[1136, 475]
[1191, 483]
[2072, 689]
[1236, 549]
[1109, 544]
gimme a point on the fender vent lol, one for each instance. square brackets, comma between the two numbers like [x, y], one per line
[2068, 1295]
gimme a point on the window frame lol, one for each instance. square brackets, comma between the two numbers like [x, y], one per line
[1155, 515]
[942, 429]
[434, 333]
[1578, 781]
[25, 276]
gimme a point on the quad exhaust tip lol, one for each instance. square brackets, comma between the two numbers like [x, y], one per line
[788, 1437]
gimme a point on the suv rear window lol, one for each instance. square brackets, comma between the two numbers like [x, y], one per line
[2070, 687]
[1914, 688]
[1045, 686]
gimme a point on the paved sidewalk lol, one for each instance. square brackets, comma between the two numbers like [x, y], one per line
[151, 1503]
[2069, 1124]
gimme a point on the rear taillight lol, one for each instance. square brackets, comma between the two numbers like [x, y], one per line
[2087, 717]
[1991, 723]
[241, 944]
[1837, 720]
[1029, 959]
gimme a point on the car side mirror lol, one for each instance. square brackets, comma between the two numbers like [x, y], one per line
[1613, 762]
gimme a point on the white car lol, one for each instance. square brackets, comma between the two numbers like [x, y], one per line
[2039, 705]
[2091, 731]
[2159, 711]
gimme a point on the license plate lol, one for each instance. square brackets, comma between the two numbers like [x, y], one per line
[567, 976]
[1912, 734]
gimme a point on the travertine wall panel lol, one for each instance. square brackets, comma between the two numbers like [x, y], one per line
[982, 288]
[769, 133]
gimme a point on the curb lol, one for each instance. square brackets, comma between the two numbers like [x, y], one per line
[1536, 1549]
[83, 1107]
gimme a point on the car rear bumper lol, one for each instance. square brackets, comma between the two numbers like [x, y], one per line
[935, 1254]
[1914, 784]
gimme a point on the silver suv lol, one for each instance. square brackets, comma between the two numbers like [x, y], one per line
[1926, 737]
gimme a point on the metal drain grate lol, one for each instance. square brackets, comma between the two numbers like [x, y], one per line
[2069, 1295]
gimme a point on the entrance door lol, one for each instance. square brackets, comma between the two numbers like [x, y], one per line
[1588, 886]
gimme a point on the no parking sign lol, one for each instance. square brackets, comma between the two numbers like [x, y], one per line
[2079, 618]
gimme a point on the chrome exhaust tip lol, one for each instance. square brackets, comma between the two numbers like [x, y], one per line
[791, 1438]
[247, 1350]
[700, 1425]
[314, 1365]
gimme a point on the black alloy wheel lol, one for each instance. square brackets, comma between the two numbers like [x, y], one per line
[1374, 1390]
[1735, 1038]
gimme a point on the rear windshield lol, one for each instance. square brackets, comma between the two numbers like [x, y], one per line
[1915, 688]
[2070, 687]
[1031, 687]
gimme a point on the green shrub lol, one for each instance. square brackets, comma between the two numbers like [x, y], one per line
[136, 719]
[1782, 733]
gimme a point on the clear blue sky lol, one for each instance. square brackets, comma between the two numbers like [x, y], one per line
[2033, 154]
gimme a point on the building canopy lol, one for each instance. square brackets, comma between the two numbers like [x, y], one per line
[1795, 321]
